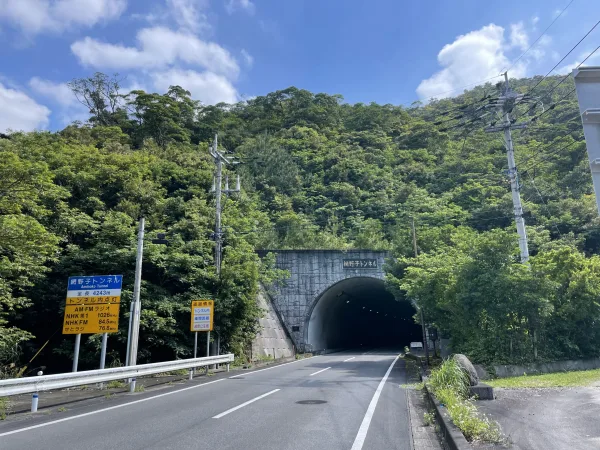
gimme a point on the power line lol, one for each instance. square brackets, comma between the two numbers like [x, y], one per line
[564, 57]
[539, 37]
[555, 87]
[462, 87]
[544, 202]
[550, 154]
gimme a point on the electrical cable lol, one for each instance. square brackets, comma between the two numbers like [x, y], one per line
[564, 57]
[554, 88]
[539, 37]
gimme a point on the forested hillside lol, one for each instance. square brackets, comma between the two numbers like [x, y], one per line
[316, 173]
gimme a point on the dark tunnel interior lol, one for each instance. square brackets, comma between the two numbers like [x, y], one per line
[360, 312]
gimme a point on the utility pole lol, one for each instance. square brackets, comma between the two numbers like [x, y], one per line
[219, 159]
[134, 312]
[414, 236]
[507, 102]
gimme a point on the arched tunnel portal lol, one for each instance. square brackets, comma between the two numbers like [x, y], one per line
[359, 312]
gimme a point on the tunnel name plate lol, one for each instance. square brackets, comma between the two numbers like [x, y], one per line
[359, 264]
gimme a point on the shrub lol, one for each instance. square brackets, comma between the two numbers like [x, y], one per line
[450, 384]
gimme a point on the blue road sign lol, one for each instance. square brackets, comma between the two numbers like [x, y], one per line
[95, 282]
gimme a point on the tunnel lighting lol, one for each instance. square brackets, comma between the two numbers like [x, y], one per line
[370, 310]
[364, 307]
[347, 301]
[386, 315]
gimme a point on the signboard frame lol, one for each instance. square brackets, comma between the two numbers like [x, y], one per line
[203, 317]
[92, 304]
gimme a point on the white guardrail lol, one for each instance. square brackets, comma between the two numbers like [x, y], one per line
[15, 386]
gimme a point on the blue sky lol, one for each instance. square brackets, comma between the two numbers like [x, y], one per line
[387, 51]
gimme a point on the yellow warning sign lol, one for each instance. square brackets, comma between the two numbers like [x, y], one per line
[202, 315]
[91, 319]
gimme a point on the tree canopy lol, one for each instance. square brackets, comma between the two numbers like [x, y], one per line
[316, 173]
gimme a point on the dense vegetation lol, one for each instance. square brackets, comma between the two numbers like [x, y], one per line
[316, 173]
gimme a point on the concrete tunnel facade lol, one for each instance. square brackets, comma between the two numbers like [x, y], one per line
[337, 299]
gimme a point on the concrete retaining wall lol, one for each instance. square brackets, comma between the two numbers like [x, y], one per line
[272, 339]
[550, 367]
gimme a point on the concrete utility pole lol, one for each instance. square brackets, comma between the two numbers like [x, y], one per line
[134, 312]
[220, 159]
[507, 102]
[414, 236]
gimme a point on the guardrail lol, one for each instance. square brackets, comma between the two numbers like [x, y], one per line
[42, 383]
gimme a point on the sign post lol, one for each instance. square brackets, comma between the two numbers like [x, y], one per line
[92, 306]
[202, 320]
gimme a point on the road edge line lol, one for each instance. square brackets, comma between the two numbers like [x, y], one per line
[366, 423]
[110, 408]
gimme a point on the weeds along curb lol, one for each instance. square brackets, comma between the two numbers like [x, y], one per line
[450, 432]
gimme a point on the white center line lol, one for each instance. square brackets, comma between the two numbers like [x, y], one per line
[269, 368]
[218, 416]
[319, 371]
[364, 426]
[107, 409]
[349, 359]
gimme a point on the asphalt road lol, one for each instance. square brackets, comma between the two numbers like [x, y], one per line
[336, 401]
[547, 419]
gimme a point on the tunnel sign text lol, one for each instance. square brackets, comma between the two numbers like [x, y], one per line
[359, 264]
[92, 304]
[202, 315]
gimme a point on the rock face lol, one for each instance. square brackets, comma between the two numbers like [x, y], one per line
[468, 367]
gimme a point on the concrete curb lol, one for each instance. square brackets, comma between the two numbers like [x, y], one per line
[453, 437]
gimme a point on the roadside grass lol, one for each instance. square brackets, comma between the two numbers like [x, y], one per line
[450, 384]
[549, 380]
[115, 384]
[4, 407]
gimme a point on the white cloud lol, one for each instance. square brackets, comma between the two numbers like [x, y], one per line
[20, 112]
[234, 5]
[518, 36]
[534, 21]
[59, 92]
[36, 16]
[158, 47]
[207, 87]
[248, 58]
[69, 108]
[470, 58]
[189, 15]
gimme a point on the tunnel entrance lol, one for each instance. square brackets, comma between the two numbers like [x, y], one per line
[359, 312]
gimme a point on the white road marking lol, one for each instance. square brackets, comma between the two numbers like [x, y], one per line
[269, 368]
[364, 426]
[349, 359]
[106, 409]
[218, 416]
[319, 371]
